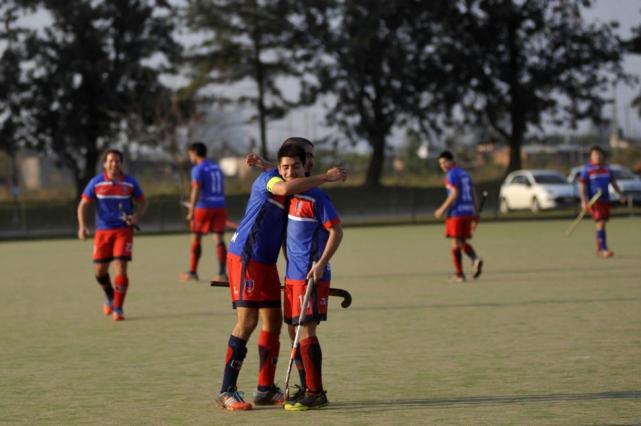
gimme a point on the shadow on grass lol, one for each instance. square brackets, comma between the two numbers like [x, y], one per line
[496, 305]
[405, 404]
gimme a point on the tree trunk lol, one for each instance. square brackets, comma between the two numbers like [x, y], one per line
[516, 143]
[377, 160]
[83, 176]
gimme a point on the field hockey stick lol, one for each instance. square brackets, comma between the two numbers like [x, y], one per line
[292, 355]
[582, 213]
[334, 292]
[123, 216]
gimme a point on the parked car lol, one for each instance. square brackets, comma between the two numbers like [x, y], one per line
[536, 190]
[628, 182]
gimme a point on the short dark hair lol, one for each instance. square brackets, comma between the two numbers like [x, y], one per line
[199, 148]
[598, 149]
[293, 151]
[298, 141]
[115, 152]
[447, 155]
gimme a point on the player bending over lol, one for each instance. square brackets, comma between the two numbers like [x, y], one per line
[460, 206]
[254, 282]
[595, 176]
[114, 194]
[207, 212]
[313, 236]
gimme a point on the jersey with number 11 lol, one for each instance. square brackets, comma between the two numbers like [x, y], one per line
[464, 203]
[209, 178]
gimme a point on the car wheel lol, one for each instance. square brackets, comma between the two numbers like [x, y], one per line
[535, 206]
[503, 206]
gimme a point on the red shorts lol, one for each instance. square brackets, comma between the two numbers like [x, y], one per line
[260, 286]
[600, 211]
[209, 220]
[316, 307]
[459, 227]
[110, 244]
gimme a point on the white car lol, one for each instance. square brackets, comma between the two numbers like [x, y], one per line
[536, 190]
[628, 182]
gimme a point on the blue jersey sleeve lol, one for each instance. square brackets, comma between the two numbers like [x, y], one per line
[453, 179]
[584, 176]
[90, 190]
[327, 213]
[195, 175]
[137, 193]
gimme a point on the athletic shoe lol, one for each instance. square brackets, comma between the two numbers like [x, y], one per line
[310, 401]
[273, 396]
[107, 307]
[457, 278]
[118, 314]
[605, 253]
[232, 401]
[478, 267]
[188, 276]
[297, 396]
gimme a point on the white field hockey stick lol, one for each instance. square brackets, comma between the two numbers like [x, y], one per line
[578, 219]
[292, 355]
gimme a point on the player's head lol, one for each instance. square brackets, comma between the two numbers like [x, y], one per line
[308, 146]
[291, 161]
[112, 162]
[597, 155]
[446, 161]
[197, 151]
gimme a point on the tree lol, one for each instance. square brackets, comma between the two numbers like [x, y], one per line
[93, 67]
[633, 45]
[524, 61]
[247, 40]
[381, 63]
[13, 86]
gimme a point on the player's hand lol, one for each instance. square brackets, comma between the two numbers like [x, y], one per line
[131, 219]
[317, 271]
[439, 213]
[622, 199]
[82, 233]
[336, 174]
[585, 206]
[190, 214]
[255, 160]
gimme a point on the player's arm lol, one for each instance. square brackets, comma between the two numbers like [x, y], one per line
[451, 198]
[333, 241]
[583, 196]
[80, 213]
[616, 187]
[139, 211]
[296, 186]
[255, 160]
[193, 199]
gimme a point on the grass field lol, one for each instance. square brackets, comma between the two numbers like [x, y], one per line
[548, 335]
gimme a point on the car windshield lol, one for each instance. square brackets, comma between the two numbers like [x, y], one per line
[549, 178]
[623, 174]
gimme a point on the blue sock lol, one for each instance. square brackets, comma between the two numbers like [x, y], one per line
[600, 237]
[236, 351]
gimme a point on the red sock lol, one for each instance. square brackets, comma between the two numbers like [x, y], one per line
[469, 251]
[221, 252]
[268, 348]
[456, 257]
[313, 360]
[195, 256]
[120, 287]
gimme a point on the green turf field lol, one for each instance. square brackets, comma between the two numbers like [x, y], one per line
[548, 335]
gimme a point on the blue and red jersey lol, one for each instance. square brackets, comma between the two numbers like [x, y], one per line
[310, 216]
[209, 178]
[114, 198]
[597, 177]
[262, 230]
[464, 203]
